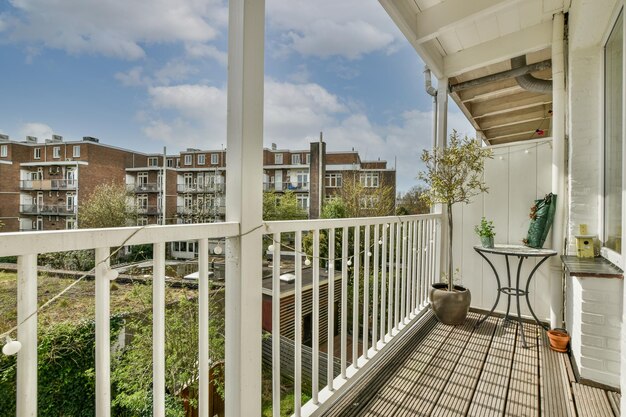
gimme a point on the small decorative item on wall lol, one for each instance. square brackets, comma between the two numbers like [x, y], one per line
[541, 218]
[485, 231]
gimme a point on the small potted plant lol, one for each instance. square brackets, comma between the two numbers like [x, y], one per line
[485, 231]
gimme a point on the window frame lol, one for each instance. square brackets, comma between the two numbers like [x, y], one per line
[296, 159]
[333, 180]
[153, 161]
[201, 159]
[278, 158]
[56, 152]
[188, 159]
[37, 153]
[610, 254]
[4, 151]
[215, 160]
[369, 179]
[76, 151]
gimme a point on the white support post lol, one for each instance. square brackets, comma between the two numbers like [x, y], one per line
[203, 327]
[103, 334]
[316, 317]
[558, 166]
[331, 309]
[244, 200]
[297, 367]
[158, 330]
[344, 299]
[27, 335]
[366, 290]
[383, 285]
[376, 251]
[276, 325]
[442, 142]
[356, 256]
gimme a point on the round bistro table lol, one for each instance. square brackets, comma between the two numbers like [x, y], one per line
[521, 253]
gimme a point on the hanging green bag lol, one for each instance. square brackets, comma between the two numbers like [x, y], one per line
[541, 218]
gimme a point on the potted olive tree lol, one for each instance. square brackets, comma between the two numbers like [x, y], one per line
[452, 175]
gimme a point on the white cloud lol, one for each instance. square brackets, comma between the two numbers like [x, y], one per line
[39, 130]
[324, 28]
[116, 28]
[174, 71]
[195, 116]
[201, 50]
[132, 78]
[326, 38]
[199, 118]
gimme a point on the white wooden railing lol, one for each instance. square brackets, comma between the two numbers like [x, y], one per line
[400, 255]
[391, 261]
[27, 245]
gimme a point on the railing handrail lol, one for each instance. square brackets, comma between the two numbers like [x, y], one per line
[24, 243]
[282, 226]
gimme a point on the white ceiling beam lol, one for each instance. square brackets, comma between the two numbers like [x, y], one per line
[532, 39]
[404, 17]
[443, 16]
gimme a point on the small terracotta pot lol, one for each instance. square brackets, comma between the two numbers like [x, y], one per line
[559, 339]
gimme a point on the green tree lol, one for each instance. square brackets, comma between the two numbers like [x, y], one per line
[132, 369]
[412, 202]
[65, 369]
[362, 201]
[282, 206]
[107, 206]
[454, 175]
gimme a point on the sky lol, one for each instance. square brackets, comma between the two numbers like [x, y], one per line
[145, 74]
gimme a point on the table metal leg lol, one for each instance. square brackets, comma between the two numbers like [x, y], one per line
[508, 293]
[530, 277]
[497, 297]
[517, 294]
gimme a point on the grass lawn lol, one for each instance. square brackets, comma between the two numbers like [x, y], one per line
[76, 304]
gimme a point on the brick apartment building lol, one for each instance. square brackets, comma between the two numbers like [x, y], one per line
[42, 185]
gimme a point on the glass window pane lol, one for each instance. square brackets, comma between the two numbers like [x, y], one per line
[613, 138]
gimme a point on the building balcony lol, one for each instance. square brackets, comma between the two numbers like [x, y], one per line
[298, 186]
[144, 188]
[148, 210]
[208, 211]
[283, 186]
[47, 209]
[199, 188]
[48, 185]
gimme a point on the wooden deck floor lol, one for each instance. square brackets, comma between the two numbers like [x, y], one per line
[479, 372]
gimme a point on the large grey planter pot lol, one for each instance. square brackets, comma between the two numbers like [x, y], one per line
[450, 307]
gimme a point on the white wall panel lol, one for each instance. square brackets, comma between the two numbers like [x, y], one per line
[516, 176]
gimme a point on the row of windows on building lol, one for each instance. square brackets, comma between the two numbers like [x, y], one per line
[296, 159]
[367, 179]
[56, 152]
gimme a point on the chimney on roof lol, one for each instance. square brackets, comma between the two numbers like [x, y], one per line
[57, 138]
[90, 139]
[321, 137]
[4, 138]
[31, 139]
[273, 146]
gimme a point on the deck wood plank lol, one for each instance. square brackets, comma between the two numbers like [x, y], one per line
[556, 395]
[614, 399]
[353, 402]
[490, 395]
[426, 391]
[455, 400]
[387, 401]
[523, 394]
[591, 402]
